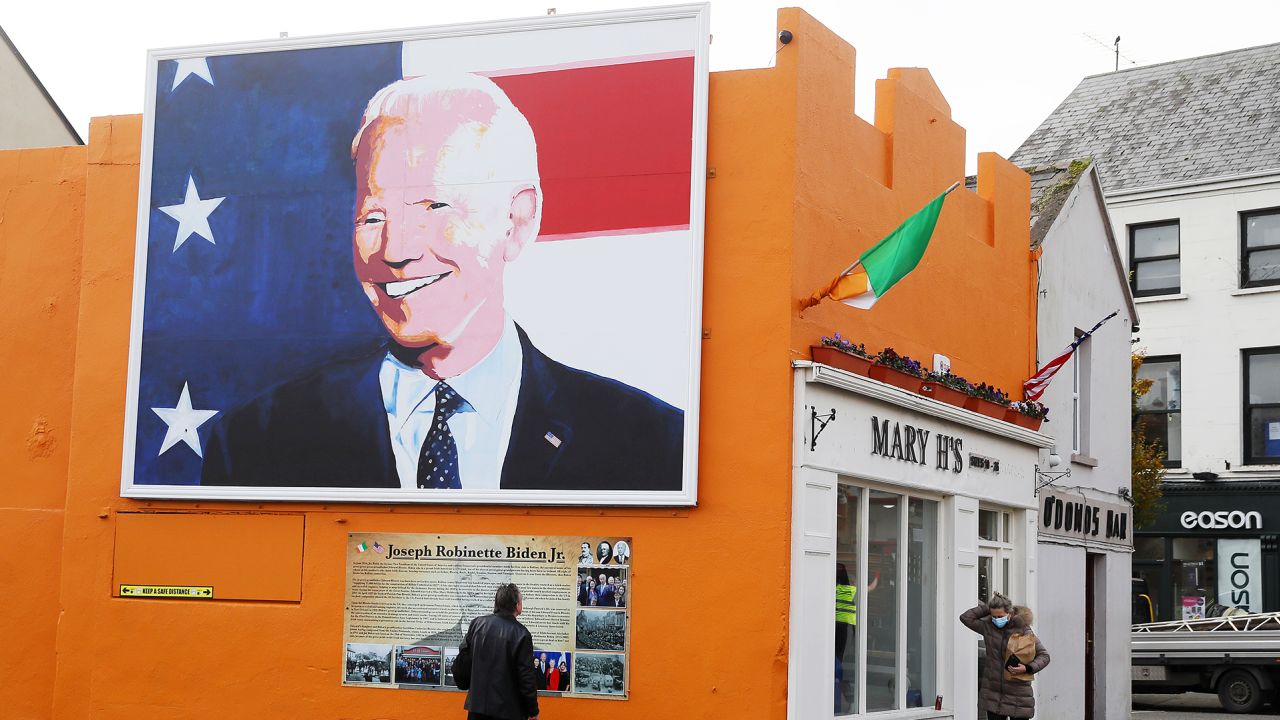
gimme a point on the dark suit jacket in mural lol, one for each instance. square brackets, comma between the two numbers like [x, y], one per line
[329, 429]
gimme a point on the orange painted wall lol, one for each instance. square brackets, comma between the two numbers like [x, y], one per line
[972, 296]
[41, 215]
[799, 189]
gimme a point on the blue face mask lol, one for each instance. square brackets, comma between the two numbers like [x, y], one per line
[1000, 621]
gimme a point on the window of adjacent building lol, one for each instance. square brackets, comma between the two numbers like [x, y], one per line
[1081, 363]
[1154, 263]
[886, 600]
[1160, 410]
[1262, 406]
[1260, 248]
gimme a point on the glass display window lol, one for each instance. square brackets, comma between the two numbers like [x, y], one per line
[887, 575]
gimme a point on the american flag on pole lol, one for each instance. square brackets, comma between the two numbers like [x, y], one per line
[1035, 386]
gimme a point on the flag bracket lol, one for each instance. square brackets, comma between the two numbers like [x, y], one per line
[1046, 478]
[818, 423]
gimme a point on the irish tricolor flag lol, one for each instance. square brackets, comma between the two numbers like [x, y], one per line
[887, 262]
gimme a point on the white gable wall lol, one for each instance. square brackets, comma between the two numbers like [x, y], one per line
[1080, 285]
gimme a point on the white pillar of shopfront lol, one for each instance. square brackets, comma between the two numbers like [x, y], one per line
[813, 580]
[962, 546]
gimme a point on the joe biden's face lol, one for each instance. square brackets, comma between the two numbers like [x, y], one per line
[431, 243]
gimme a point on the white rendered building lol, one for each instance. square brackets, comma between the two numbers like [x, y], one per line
[1189, 157]
[29, 117]
[1085, 530]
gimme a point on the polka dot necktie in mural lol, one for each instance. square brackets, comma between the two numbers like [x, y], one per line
[438, 461]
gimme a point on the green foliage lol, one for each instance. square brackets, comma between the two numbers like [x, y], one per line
[1148, 457]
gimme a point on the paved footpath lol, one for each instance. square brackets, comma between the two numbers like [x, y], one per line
[1189, 706]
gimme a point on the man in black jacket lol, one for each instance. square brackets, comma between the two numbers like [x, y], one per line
[503, 684]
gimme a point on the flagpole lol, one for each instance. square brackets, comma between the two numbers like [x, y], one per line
[849, 269]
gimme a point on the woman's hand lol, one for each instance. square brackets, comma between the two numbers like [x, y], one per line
[1017, 669]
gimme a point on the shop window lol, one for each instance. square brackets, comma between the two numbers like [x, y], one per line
[1262, 406]
[884, 538]
[1194, 577]
[1160, 410]
[995, 551]
[1148, 597]
[1260, 248]
[989, 525]
[1154, 263]
[922, 601]
[1146, 547]
[886, 601]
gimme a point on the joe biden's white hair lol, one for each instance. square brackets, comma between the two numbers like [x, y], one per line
[507, 152]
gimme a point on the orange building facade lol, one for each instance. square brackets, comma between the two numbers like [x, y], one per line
[732, 608]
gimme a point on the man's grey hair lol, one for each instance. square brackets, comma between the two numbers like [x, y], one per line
[1000, 602]
[507, 152]
[506, 599]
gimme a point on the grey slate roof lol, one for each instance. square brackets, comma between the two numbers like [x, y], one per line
[1051, 185]
[1182, 121]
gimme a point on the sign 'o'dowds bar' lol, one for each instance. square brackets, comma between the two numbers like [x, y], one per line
[1076, 517]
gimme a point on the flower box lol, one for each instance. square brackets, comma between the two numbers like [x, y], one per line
[986, 407]
[1027, 413]
[943, 393]
[897, 378]
[840, 359]
[1026, 421]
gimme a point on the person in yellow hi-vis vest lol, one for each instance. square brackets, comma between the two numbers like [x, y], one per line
[846, 620]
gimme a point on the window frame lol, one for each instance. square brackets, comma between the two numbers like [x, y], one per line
[1140, 412]
[1134, 262]
[865, 487]
[1002, 550]
[1246, 430]
[1075, 401]
[1245, 250]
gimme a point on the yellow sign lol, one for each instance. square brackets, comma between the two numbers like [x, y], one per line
[163, 591]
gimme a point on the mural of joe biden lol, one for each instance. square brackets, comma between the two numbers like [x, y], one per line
[447, 195]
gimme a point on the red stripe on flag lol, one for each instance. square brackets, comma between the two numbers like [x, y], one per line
[1035, 386]
[615, 144]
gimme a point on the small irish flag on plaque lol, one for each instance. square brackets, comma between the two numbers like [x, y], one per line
[888, 261]
[362, 547]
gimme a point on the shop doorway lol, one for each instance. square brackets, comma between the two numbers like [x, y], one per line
[995, 569]
[1095, 566]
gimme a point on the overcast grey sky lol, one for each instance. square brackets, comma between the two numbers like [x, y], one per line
[1003, 66]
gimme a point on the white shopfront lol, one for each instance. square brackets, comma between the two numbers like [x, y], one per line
[920, 507]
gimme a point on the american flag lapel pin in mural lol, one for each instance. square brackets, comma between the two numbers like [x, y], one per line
[551, 438]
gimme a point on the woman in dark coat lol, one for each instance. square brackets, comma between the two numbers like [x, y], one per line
[1014, 656]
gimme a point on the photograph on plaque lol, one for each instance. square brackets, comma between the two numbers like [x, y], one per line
[453, 264]
[600, 674]
[553, 670]
[418, 665]
[601, 629]
[368, 663]
[602, 586]
[410, 599]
